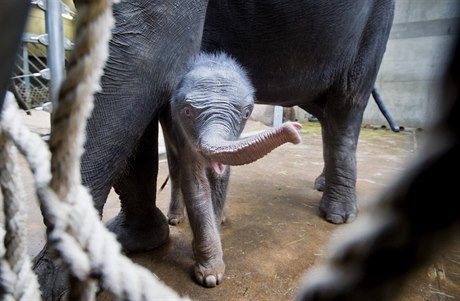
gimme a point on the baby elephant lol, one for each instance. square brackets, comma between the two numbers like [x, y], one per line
[209, 110]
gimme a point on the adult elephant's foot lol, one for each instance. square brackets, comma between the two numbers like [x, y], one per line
[140, 232]
[211, 273]
[53, 280]
[338, 212]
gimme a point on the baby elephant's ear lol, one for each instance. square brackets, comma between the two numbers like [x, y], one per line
[252, 148]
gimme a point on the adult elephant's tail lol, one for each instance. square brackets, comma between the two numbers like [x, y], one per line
[383, 109]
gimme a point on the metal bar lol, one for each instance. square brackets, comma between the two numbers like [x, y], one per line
[277, 116]
[13, 16]
[55, 29]
[25, 63]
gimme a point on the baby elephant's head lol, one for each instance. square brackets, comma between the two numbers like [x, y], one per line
[212, 104]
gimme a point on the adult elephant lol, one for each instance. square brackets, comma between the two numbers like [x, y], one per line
[320, 55]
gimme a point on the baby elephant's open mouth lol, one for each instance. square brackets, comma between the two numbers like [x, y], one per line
[219, 168]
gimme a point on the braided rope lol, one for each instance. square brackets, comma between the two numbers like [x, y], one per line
[74, 230]
[93, 31]
[76, 233]
[68, 123]
[18, 282]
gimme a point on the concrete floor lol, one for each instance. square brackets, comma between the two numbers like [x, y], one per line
[273, 233]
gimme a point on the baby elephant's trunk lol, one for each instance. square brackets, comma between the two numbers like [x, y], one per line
[252, 148]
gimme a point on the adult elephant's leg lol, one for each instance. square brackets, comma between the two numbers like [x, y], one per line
[340, 137]
[112, 135]
[344, 105]
[207, 248]
[176, 211]
[140, 225]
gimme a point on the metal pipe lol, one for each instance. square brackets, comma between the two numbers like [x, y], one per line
[277, 116]
[56, 59]
[26, 70]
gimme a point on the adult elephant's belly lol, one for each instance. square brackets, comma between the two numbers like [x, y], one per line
[285, 75]
[292, 50]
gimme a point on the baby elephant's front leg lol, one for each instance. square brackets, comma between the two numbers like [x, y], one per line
[207, 248]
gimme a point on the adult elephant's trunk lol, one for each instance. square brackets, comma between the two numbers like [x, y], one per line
[249, 149]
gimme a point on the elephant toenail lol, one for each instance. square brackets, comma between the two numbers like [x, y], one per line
[211, 281]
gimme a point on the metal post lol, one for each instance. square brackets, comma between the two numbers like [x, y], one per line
[56, 63]
[277, 116]
[26, 70]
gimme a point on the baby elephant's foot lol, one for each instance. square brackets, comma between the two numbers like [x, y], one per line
[175, 218]
[210, 274]
[142, 232]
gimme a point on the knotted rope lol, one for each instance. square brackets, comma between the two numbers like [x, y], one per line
[75, 233]
[18, 282]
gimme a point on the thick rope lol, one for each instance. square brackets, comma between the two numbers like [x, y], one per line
[75, 233]
[18, 282]
[94, 25]
[93, 32]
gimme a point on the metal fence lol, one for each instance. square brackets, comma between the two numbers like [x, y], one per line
[37, 67]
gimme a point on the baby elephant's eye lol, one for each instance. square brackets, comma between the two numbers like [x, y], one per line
[246, 113]
[187, 111]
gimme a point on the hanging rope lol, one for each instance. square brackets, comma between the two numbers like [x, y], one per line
[84, 245]
[88, 251]
[18, 282]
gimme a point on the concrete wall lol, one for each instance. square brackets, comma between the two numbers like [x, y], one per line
[418, 51]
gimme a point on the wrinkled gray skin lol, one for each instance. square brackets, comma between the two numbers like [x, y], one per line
[208, 113]
[321, 55]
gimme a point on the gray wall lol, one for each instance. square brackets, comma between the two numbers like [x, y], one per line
[421, 39]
